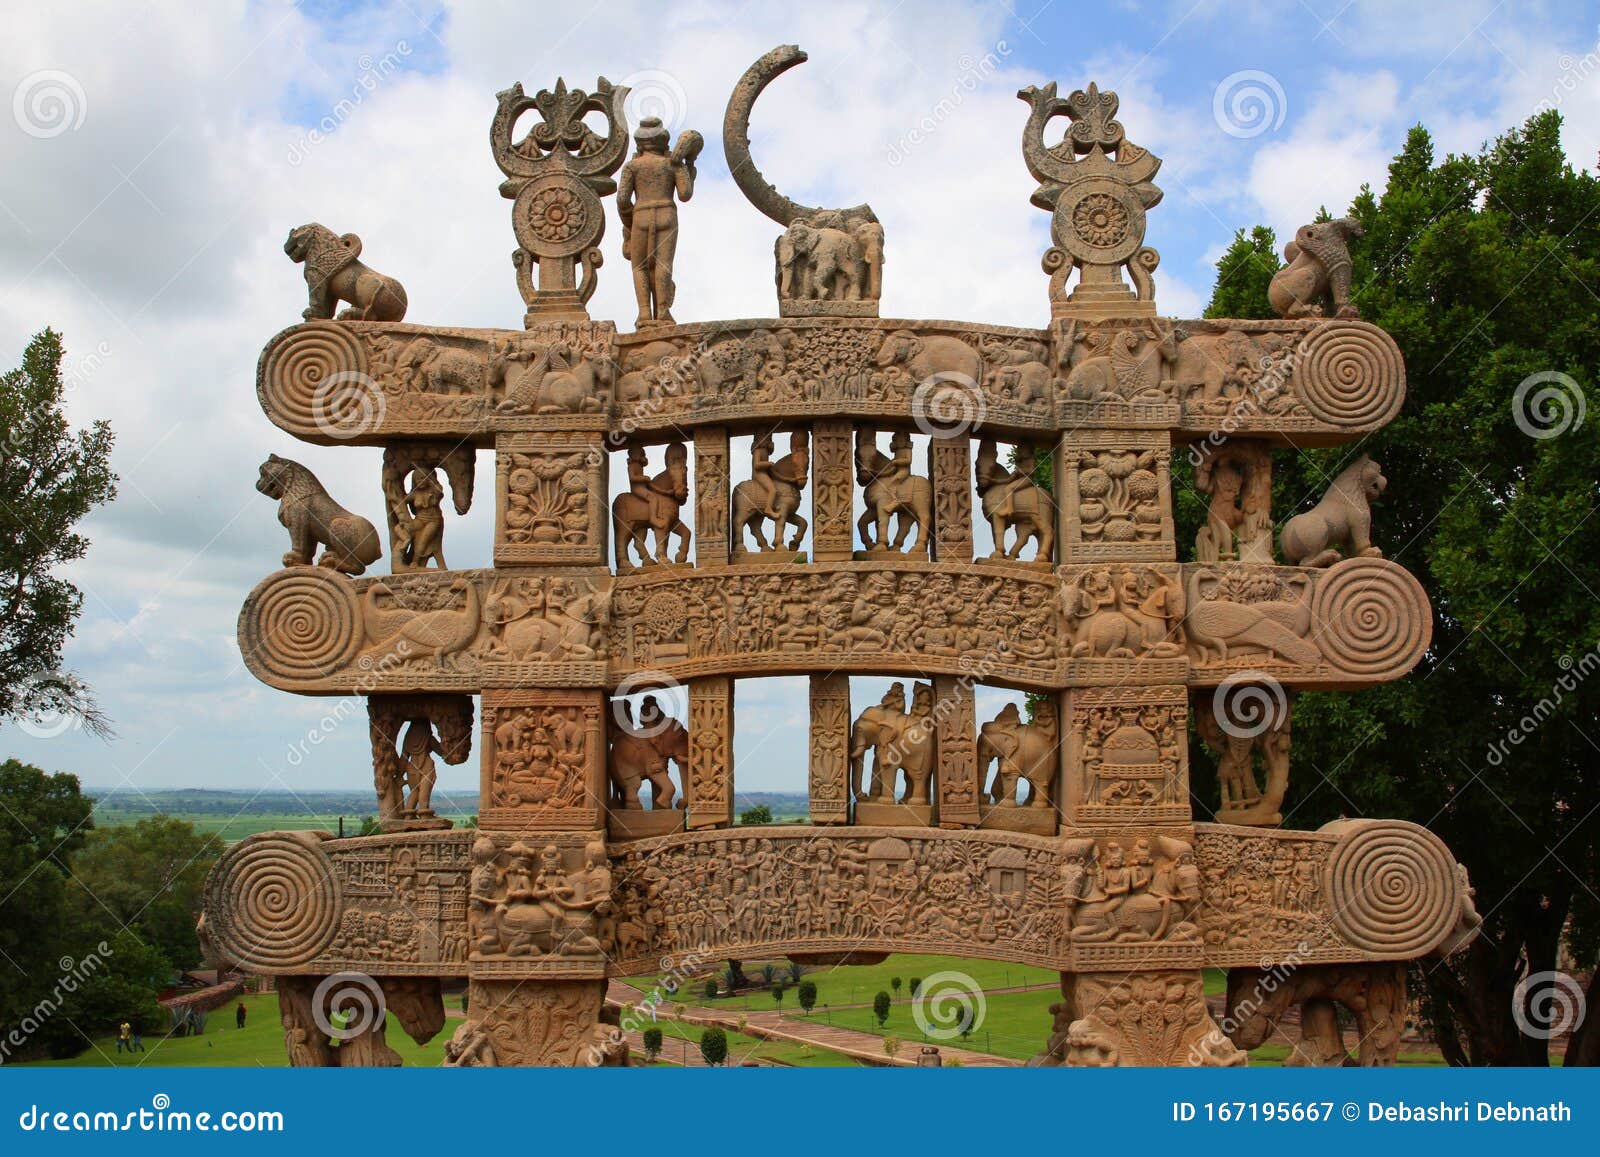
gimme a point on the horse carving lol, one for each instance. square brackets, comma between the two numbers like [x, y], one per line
[773, 493]
[652, 505]
[890, 490]
[1012, 500]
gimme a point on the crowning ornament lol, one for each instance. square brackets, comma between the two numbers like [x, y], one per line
[1064, 840]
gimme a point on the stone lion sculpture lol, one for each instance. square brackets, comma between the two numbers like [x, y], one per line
[1318, 273]
[1342, 518]
[334, 273]
[311, 515]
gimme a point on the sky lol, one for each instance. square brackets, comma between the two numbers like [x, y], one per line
[156, 157]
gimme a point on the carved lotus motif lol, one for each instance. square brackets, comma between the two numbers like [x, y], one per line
[1101, 220]
[557, 214]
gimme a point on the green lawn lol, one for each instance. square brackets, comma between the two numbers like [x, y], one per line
[684, 1039]
[259, 1043]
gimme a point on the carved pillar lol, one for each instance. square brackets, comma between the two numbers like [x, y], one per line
[711, 496]
[956, 728]
[832, 486]
[550, 499]
[709, 789]
[830, 749]
[950, 464]
[1125, 757]
[1136, 1019]
[531, 1023]
[543, 760]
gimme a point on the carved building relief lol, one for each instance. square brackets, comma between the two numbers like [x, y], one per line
[543, 760]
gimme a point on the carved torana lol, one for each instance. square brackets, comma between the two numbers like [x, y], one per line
[955, 509]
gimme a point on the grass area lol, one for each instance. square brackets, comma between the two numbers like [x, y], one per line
[259, 1044]
[847, 984]
[680, 1040]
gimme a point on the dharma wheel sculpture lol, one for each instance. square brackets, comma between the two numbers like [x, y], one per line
[1064, 839]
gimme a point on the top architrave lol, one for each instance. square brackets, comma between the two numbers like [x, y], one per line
[1300, 382]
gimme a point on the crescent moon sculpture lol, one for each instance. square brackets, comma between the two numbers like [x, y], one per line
[736, 141]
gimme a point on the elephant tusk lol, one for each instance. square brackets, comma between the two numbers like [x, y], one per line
[736, 139]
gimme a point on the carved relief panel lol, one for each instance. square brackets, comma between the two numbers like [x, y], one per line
[550, 499]
[1126, 759]
[950, 465]
[711, 495]
[543, 760]
[1116, 496]
[709, 789]
[831, 491]
[829, 776]
[540, 905]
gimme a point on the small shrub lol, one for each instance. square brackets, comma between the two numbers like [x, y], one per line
[891, 1046]
[880, 1007]
[796, 971]
[713, 1045]
[652, 1042]
[807, 995]
[894, 983]
[916, 986]
[711, 989]
[777, 994]
[769, 973]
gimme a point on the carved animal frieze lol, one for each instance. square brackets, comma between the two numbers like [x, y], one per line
[308, 629]
[541, 903]
[543, 760]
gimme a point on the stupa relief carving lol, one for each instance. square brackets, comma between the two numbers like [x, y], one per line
[1062, 838]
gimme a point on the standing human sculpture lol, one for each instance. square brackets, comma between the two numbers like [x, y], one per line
[645, 202]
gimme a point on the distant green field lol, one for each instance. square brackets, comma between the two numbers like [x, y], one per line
[258, 1045]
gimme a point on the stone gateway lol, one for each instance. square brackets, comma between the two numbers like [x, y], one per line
[1062, 837]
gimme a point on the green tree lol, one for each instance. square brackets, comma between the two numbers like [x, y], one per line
[891, 1047]
[652, 1042]
[149, 876]
[880, 1007]
[713, 1045]
[1243, 274]
[777, 994]
[122, 985]
[895, 982]
[807, 995]
[711, 989]
[916, 986]
[759, 814]
[51, 476]
[1480, 267]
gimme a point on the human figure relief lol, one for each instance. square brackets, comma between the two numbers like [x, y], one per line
[645, 192]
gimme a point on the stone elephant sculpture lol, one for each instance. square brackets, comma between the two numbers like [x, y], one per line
[820, 263]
